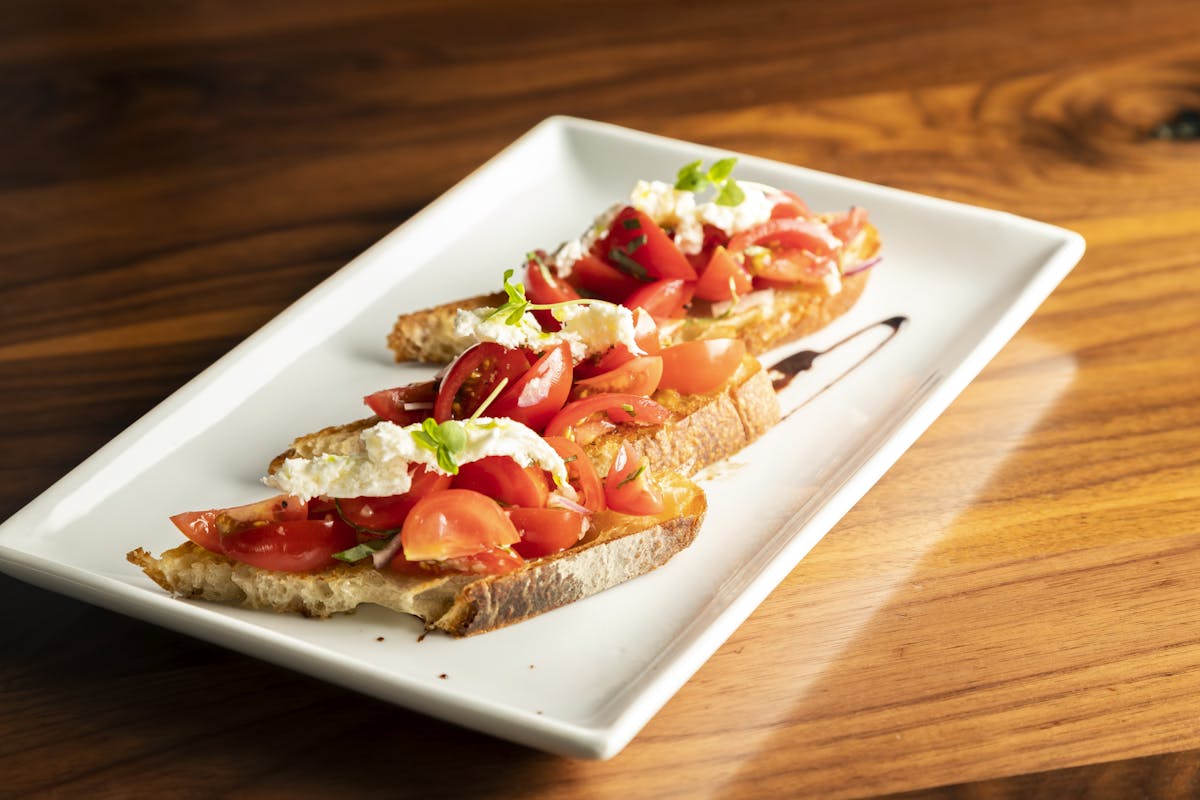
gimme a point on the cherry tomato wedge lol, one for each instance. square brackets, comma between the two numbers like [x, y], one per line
[723, 278]
[847, 226]
[628, 488]
[546, 530]
[788, 204]
[543, 286]
[665, 299]
[381, 514]
[701, 366]
[292, 546]
[591, 275]
[455, 523]
[639, 375]
[206, 528]
[537, 395]
[473, 376]
[503, 479]
[645, 336]
[580, 473]
[788, 234]
[584, 420]
[404, 405]
[637, 246]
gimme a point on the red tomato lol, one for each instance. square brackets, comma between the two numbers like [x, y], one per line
[591, 275]
[503, 479]
[646, 337]
[788, 234]
[847, 226]
[637, 246]
[381, 514]
[723, 278]
[537, 395]
[788, 204]
[664, 299]
[205, 528]
[293, 546]
[546, 530]
[584, 420]
[701, 366]
[455, 523]
[627, 487]
[473, 376]
[639, 375]
[404, 405]
[543, 286]
[800, 250]
[714, 237]
[580, 473]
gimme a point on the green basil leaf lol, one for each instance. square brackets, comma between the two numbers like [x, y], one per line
[731, 194]
[721, 170]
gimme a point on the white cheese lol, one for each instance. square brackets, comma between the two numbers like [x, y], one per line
[590, 327]
[678, 210]
[380, 466]
[570, 252]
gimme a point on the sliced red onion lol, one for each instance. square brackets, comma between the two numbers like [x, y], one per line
[559, 501]
[862, 266]
[383, 557]
[417, 406]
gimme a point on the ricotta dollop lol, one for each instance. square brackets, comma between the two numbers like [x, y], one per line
[379, 467]
[588, 327]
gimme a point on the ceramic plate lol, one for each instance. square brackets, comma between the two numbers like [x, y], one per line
[581, 680]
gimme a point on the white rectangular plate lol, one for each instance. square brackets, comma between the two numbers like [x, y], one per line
[581, 680]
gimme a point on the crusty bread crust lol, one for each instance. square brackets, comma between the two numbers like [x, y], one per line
[703, 428]
[428, 335]
[617, 549]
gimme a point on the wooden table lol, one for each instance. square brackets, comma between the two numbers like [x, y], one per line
[1016, 605]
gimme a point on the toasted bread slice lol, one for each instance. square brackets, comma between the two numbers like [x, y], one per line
[616, 549]
[428, 335]
[703, 428]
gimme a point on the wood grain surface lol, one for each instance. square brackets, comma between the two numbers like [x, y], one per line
[1011, 612]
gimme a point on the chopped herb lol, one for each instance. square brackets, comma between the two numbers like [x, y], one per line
[629, 409]
[632, 224]
[569, 459]
[633, 476]
[361, 551]
[627, 265]
[635, 243]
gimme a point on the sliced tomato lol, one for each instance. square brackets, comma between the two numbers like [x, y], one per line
[638, 375]
[545, 531]
[646, 337]
[701, 366]
[723, 278]
[788, 205]
[404, 405]
[788, 234]
[714, 237]
[628, 488]
[799, 250]
[847, 226]
[543, 286]
[594, 277]
[535, 397]
[584, 420]
[665, 299]
[205, 528]
[292, 546]
[473, 376]
[382, 514]
[503, 479]
[637, 246]
[580, 473]
[455, 523]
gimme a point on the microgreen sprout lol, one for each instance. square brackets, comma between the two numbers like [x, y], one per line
[513, 310]
[694, 178]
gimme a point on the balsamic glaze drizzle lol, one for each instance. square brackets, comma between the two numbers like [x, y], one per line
[785, 371]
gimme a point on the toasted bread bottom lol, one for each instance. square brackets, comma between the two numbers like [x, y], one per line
[616, 549]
